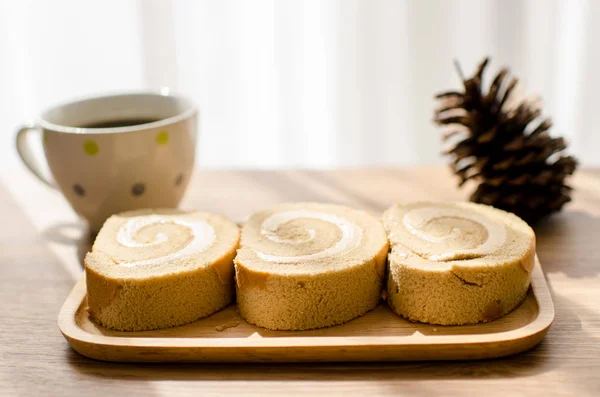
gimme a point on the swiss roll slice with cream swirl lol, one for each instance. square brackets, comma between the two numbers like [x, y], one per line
[307, 265]
[456, 263]
[155, 269]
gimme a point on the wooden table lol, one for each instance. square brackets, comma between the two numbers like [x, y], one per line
[42, 242]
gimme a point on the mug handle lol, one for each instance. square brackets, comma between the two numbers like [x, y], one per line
[27, 156]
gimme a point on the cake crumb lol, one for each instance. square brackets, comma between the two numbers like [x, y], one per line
[384, 295]
[223, 327]
[435, 330]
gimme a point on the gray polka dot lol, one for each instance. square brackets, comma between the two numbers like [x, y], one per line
[79, 190]
[138, 189]
[179, 179]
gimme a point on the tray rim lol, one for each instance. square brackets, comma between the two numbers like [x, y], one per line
[496, 344]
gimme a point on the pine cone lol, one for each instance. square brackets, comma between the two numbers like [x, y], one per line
[501, 143]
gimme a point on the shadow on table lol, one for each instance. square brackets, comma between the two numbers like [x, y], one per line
[73, 234]
[518, 366]
[566, 243]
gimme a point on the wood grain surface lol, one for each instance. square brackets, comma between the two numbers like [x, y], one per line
[41, 243]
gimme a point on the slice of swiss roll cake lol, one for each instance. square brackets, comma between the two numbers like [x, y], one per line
[155, 269]
[306, 265]
[457, 263]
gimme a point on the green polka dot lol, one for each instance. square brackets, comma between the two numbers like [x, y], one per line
[162, 138]
[90, 147]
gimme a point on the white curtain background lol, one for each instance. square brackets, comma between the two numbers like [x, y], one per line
[291, 83]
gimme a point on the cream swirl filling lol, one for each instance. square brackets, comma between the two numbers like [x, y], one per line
[203, 236]
[486, 235]
[351, 235]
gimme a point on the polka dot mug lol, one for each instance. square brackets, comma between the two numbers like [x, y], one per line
[116, 153]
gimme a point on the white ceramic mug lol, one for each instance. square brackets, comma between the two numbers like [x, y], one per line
[103, 171]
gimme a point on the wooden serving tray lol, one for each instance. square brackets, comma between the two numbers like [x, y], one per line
[380, 335]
